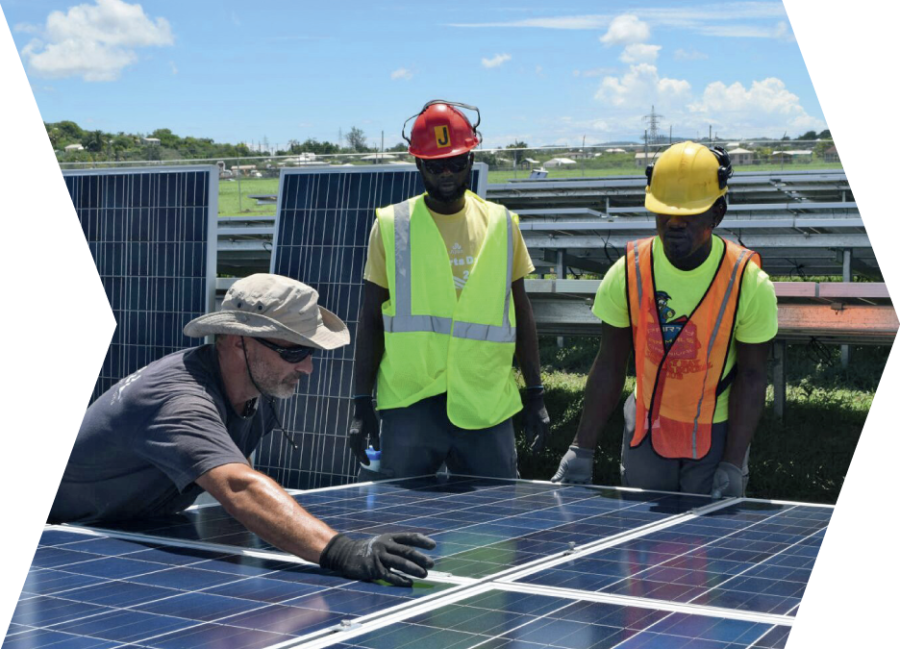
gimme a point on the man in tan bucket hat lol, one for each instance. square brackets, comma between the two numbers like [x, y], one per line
[187, 423]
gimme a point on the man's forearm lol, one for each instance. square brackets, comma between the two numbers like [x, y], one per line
[264, 508]
[369, 339]
[745, 407]
[601, 396]
[527, 353]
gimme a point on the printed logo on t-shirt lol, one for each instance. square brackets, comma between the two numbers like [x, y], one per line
[124, 383]
[684, 358]
[461, 265]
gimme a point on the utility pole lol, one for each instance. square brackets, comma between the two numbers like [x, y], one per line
[653, 125]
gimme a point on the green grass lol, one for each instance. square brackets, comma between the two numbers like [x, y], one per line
[232, 203]
[804, 458]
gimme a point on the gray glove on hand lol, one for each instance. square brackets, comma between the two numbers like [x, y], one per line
[537, 421]
[364, 429]
[728, 481]
[576, 466]
[374, 558]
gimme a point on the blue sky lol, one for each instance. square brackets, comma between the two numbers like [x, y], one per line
[244, 71]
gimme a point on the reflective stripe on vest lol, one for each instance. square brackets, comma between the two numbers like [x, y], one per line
[676, 398]
[403, 321]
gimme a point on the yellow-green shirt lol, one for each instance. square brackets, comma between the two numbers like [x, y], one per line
[463, 234]
[679, 291]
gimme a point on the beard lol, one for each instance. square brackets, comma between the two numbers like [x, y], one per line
[270, 382]
[445, 197]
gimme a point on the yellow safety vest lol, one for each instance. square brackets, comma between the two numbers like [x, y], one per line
[434, 343]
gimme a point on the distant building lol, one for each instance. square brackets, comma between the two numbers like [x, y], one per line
[789, 157]
[741, 156]
[74, 147]
[831, 154]
[559, 162]
[150, 141]
[642, 159]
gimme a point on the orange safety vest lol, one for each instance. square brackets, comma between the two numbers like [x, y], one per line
[677, 388]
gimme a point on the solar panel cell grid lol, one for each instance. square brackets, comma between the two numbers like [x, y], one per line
[511, 620]
[86, 591]
[750, 556]
[481, 526]
[148, 232]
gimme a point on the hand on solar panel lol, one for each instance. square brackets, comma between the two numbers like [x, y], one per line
[378, 557]
[364, 429]
[728, 482]
[537, 421]
[576, 466]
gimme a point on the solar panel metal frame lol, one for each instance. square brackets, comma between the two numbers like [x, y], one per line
[287, 471]
[211, 221]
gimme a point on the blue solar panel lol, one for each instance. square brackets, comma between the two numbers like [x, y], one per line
[751, 556]
[322, 233]
[150, 234]
[512, 620]
[87, 591]
[481, 526]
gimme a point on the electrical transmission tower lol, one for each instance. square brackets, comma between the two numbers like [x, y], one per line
[652, 120]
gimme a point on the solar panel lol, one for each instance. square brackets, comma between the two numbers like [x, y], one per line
[151, 234]
[482, 526]
[94, 591]
[498, 619]
[753, 556]
[322, 230]
[646, 570]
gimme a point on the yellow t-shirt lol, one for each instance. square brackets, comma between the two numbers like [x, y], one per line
[677, 294]
[463, 234]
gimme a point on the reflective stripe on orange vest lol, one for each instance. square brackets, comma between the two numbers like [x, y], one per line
[676, 388]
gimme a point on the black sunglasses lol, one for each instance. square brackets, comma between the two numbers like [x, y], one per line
[288, 354]
[455, 164]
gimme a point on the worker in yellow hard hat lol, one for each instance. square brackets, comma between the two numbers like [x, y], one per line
[444, 313]
[699, 313]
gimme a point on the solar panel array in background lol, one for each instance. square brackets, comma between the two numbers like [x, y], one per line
[149, 232]
[323, 223]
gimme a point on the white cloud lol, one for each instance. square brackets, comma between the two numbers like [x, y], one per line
[497, 61]
[626, 29]
[766, 103]
[642, 86]
[401, 73]
[174, 67]
[593, 72]
[690, 55]
[95, 42]
[640, 53]
[738, 19]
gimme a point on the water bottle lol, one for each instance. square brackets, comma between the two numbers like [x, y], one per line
[374, 460]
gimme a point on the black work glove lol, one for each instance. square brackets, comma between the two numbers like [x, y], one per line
[537, 421]
[364, 428]
[377, 557]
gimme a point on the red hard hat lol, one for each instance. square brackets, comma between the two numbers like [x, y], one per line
[442, 131]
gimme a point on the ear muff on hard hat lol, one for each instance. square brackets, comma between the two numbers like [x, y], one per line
[687, 179]
[441, 130]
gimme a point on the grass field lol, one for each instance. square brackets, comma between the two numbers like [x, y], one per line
[805, 457]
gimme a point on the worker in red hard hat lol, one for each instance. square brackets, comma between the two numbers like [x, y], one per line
[444, 313]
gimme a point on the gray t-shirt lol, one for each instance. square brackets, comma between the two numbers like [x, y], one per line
[145, 441]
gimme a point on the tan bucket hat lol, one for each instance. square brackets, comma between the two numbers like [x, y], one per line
[272, 306]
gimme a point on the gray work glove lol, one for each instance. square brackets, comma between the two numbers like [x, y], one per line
[364, 429]
[728, 481]
[378, 557]
[537, 421]
[576, 466]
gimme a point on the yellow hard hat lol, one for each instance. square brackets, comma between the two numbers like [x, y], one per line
[687, 179]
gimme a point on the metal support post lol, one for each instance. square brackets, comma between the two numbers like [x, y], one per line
[848, 277]
[780, 383]
[560, 274]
